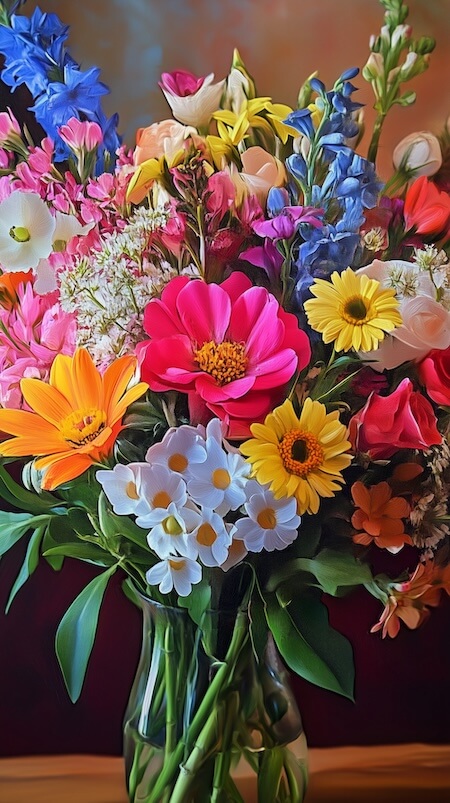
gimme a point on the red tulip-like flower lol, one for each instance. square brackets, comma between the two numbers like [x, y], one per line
[426, 208]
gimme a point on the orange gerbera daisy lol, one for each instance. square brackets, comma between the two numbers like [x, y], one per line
[379, 516]
[77, 416]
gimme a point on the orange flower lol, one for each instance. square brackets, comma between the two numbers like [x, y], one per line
[409, 602]
[426, 209]
[379, 517]
[9, 284]
[77, 416]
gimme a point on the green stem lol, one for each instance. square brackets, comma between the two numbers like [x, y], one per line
[223, 758]
[202, 726]
[171, 718]
[374, 142]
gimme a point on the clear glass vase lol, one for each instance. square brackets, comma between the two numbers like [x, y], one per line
[206, 719]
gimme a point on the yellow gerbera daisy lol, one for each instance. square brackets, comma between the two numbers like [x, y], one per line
[301, 457]
[77, 416]
[352, 310]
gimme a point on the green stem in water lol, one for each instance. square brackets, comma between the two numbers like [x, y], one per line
[202, 727]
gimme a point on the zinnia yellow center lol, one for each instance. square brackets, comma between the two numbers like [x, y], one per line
[177, 462]
[267, 519]
[356, 311]
[83, 426]
[206, 535]
[224, 361]
[300, 452]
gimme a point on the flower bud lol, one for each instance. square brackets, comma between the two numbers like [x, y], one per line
[419, 152]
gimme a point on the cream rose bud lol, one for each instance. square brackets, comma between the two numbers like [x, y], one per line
[419, 152]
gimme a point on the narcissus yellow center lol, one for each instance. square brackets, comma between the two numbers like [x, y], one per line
[177, 565]
[300, 452]
[221, 479]
[131, 490]
[267, 518]
[224, 361]
[177, 462]
[171, 526]
[83, 426]
[206, 535]
[161, 499]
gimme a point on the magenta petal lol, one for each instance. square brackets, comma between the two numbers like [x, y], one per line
[204, 311]
[255, 321]
[169, 363]
[161, 318]
[236, 285]
[210, 391]
[276, 371]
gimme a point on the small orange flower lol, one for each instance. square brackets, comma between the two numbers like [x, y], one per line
[77, 416]
[379, 517]
[9, 284]
[409, 602]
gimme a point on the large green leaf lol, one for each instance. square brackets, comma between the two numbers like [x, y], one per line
[16, 495]
[29, 564]
[76, 633]
[82, 550]
[14, 525]
[310, 647]
[336, 570]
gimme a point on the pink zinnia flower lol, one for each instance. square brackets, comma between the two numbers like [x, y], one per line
[230, 347]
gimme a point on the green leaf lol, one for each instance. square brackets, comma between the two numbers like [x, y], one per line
[112, 525]
[16, 495]
[336, 570]
[29, 564]
[310, 647]
[258, 625]
[76, 633]
[83, 550]
[269, 774]
[14, 525]
[197, 602]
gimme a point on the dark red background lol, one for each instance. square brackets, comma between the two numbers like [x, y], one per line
[401, 684]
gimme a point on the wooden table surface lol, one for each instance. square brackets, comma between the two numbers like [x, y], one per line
[411, 773]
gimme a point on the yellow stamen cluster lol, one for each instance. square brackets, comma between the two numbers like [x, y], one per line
[82, 426]
[224, 361]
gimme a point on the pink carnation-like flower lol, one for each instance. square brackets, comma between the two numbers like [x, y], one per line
[230, 347]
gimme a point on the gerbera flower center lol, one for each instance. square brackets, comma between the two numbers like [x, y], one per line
[206, 535]
[19, 233]
[355, 311]
[300, 452]
[83, 426]
[221, 479]
[267, 518]
[161, 499]
[225, 361]
[177, 462]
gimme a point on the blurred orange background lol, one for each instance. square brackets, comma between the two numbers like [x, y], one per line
[281, 42]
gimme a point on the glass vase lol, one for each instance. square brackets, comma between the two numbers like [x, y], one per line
[207, 720]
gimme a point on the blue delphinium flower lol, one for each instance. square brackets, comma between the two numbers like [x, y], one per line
[35, 55]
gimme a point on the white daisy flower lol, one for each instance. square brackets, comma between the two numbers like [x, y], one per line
[26, 231]
[180, 449]
[171, 531]
[220, 480]
[271, 524]
[178, 573]
[212, 539]
[160, 488]
[122, 487]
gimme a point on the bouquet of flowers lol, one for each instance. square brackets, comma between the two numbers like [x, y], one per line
[224, 373]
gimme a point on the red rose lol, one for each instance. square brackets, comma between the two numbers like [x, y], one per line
[434, 373]
[403, 420]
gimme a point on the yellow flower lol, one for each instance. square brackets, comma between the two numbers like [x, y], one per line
[77, 416]
[352, 310]
[300, 457]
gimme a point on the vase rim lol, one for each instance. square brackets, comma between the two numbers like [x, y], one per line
[185, 611]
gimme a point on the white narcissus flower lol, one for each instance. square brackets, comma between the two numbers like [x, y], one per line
[196, 109]
[26, 231]
[178, 573]
[171, 531]
[122, 487]
[271, 524]
[212, 539]
[161, 488]
[180, 450]
[419, 152]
